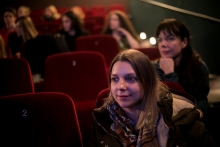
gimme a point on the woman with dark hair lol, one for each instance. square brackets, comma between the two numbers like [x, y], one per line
[72, 28]
[120, 27]
[180, 63]
[142, 112]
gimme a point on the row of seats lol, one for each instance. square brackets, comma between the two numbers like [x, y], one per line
[93, 21]
[75, 84]
[95, 10]
[81, 75]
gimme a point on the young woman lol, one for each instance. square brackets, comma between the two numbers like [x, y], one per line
[72, 28]
[180, 63]
[119, 26]
[140, 111]
[79, 12]
[51, 13]
[35, 47]
[23, 11]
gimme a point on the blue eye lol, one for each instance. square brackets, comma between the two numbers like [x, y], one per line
[131, 79]
[114, 79]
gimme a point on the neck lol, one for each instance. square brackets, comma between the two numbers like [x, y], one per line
[177, 59]
[10, 27]
[132, 114]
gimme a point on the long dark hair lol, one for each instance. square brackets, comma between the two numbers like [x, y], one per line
[75, 22]
[124, 23]
[189, 67]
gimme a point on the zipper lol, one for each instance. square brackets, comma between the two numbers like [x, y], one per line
[106, 130]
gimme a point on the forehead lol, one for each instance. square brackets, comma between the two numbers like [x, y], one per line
[64, 17]
[8, 13]
[165, 32]
[122, 67]
[115, 16]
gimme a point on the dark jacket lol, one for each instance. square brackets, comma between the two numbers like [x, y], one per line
[202, 91]
[184, 128]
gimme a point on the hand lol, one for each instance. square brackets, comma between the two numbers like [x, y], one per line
[200, 113]
[167, 65]
[18, 55]
[122, 31]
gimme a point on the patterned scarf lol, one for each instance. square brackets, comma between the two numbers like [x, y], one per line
[124, 127]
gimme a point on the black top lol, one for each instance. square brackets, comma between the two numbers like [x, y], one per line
[36, 50]
[14, 43]
[71, 40]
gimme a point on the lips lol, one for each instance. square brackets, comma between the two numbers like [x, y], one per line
[165, 52]
[123, 97]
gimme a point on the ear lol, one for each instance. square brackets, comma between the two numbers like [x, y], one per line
[184, 43]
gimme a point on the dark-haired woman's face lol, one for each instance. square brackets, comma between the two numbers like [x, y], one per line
[66, 23]
[114, 22]
[9, 18]
[170, 46]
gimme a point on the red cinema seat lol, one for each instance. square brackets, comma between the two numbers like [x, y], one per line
[62, 10]
[104, 44]
[89, 25]
[81, 75]
[119, 7]
[174, 85]
[101, 96]
[15, 77]
[98, 10]
[39, 120]
[152, 53]
[105, 92]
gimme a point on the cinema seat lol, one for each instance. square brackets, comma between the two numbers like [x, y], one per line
[104, 44]
[45, 119]
[81, 75]
[15, 77]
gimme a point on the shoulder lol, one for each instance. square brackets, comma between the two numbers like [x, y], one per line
[156, 65]
[100, 113]
[175, 102]
[204, 67]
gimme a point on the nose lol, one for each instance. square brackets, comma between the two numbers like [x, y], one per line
[122, 85]
[163, 44]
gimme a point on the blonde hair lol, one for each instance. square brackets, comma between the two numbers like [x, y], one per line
[28, 27]
[27, 10]
[150, 84]
[124, 23]
[3, 53]
[79, 12]
[54, 11]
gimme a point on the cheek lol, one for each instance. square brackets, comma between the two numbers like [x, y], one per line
[113, 89]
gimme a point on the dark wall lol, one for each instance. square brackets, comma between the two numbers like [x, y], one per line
[205, 33]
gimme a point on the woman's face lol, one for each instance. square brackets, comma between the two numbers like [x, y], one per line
[48, 12]
[125, 86]
[9, 18]
[114, 22]
[22, 12]
[170, 46]
[66, 23]
[19, 29]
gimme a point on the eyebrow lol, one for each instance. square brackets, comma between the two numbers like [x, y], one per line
[130, 74]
